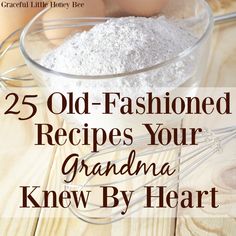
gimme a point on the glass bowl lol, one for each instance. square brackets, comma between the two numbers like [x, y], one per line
[184, 70]
[181, 75]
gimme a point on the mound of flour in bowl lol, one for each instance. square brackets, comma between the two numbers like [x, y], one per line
[119, 46]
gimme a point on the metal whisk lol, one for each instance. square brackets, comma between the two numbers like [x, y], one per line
[13, 70]
[209, 142]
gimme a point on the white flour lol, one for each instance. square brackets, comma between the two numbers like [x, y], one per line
[120, 45]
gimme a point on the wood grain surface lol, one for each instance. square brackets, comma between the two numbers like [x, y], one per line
[45, 167]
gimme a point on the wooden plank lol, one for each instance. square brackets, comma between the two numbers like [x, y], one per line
[221, 69]
[220, 172]
[22, 163]
[221, 73]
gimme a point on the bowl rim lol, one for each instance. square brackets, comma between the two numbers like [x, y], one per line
[118, 75]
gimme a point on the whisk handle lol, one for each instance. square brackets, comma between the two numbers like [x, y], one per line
[225, 18]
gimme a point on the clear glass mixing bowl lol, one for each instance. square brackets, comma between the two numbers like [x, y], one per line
[184, 70]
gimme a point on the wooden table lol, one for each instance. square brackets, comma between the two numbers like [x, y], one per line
[22, 162]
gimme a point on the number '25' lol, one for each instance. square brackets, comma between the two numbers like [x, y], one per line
[25, 102]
